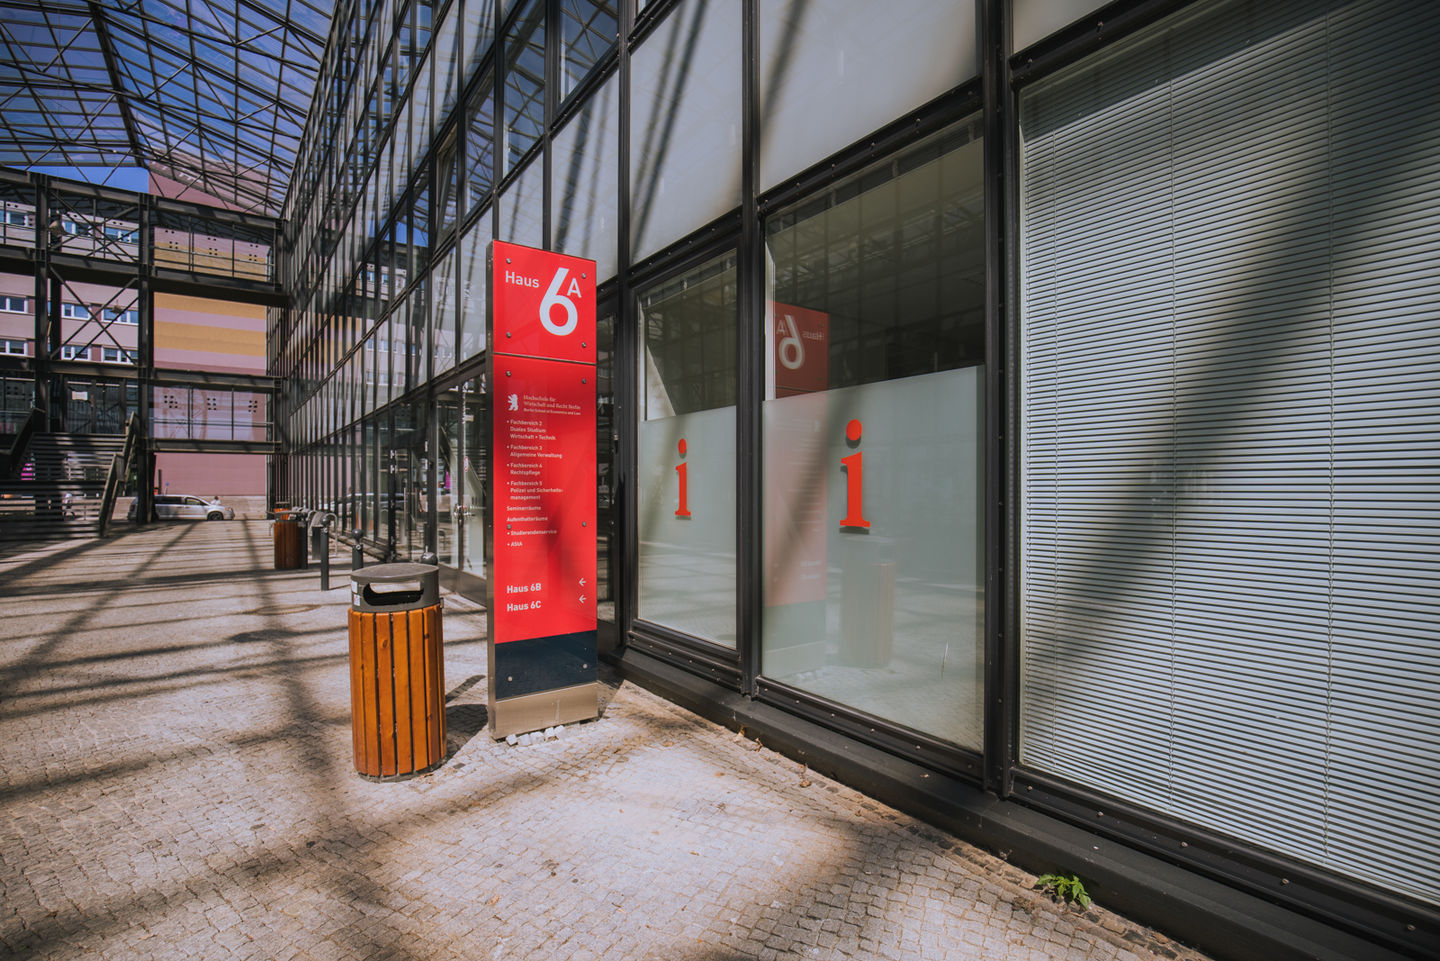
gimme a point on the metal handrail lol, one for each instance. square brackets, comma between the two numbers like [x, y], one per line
[119, 470]
[16, 455]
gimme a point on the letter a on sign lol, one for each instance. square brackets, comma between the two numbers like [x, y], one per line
[556, 317]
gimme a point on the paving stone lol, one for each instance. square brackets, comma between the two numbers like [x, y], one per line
[177, 782]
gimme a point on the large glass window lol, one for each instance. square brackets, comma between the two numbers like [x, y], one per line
[480, 143]
[472, 288]
[585, 174]
[588, 29]
[686, 486]
[832, 72]
[524, 83]
[872, 496]
[442, 290]
[447, 57]
[522, 208]
[479, 35]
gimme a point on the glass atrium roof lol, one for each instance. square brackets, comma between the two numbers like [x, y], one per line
[210, 93]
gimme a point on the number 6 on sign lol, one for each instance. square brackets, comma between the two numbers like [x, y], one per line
[792, 349]
[553, 297]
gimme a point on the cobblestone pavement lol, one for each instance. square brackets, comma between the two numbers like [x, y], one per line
[176, 781]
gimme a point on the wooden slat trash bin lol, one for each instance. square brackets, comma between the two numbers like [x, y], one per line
[289, 540]
[397, 670]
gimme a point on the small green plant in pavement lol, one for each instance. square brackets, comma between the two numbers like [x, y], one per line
[1065, 888]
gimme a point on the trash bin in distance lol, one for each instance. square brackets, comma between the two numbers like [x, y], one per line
[289, 540]
[397, 670]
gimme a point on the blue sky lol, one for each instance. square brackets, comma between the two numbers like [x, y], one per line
[126, 178]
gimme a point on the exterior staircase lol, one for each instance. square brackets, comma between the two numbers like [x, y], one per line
[58, 489]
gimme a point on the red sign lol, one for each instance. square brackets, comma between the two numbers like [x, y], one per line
[542, 382]
[802, 350]
[543, 573]
[544, 304]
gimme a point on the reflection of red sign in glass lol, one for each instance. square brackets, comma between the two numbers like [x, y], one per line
[542, 363]
[802, 350]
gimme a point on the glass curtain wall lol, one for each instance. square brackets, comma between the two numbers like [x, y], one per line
[446, 125]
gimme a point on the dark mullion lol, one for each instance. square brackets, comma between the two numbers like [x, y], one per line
[1000, 680]
[625, 352]
[750, 366]
[500, 68]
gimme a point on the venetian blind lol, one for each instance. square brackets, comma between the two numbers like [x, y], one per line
[1231, 428]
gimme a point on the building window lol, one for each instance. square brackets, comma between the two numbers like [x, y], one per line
[13, 305]
[873, 453]
[14, 347]
[113, 316]
[127, 235]
[524, 84]
[117, 355]
[75, 311]
[71, 352]
[588, 30]
[17, 218]
[687, 452]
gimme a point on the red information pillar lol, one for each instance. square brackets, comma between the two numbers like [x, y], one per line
[540, 547]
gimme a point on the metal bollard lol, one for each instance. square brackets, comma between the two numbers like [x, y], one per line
[305, 539]
[325, 557]
[357, 554]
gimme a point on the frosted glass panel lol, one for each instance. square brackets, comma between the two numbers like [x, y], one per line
[588, 29]
[521, 207]
[524, 95]
[442, 291]
[446, 55]
[686, 476]
[472, 289]
[833, 71]
[1034, 20]
[887, 618]
[585, 176]
[685, 123]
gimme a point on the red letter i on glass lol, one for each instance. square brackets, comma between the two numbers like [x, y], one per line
[684, 509]
[854, 468]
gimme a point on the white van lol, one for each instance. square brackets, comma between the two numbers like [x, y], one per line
[187, 507]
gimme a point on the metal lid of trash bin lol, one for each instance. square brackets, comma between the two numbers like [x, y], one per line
[395, 587]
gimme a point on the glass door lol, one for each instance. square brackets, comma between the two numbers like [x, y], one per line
[471, 470]
[447, 517]
[461, 474]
